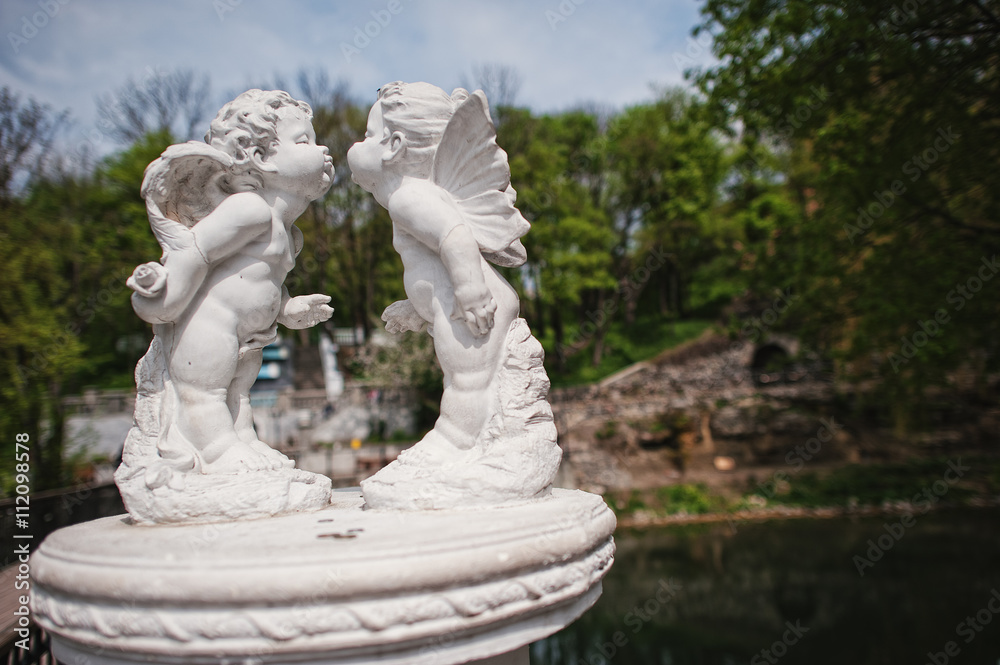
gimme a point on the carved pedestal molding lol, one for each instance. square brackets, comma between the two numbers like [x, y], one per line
[342, 585]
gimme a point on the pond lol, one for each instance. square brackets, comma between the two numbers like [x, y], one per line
[793, 591]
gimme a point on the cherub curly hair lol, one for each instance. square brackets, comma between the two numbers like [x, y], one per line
[248, 125]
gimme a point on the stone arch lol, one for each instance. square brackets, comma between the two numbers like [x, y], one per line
[770, 363]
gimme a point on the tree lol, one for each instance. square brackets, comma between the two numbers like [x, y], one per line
[70, 242]
[553, 160]
[27, 131]
[887, 117]
[175, 102]
[667, 161]
[501, 84]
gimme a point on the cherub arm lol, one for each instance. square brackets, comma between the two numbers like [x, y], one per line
[401, 316]
[422, 210]
[239, 219]
[303, 311]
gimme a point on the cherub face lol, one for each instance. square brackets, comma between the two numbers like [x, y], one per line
[302, 166]
[366, 157]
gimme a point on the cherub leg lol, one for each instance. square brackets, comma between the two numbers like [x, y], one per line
[202, 368]
[470, 364]
[247, 369]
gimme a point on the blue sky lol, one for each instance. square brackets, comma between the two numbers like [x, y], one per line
[567, 54]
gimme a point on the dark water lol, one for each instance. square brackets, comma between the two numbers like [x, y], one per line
[722, 594]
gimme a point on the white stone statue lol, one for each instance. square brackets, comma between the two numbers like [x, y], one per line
[224, 213]
[343, 584]
[431, 159]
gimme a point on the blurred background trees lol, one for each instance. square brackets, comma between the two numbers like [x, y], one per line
[844, 153]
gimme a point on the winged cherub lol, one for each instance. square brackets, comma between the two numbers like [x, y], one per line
[431, 159]
[224, 213]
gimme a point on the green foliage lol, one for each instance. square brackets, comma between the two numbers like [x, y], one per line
[69, 243]
[627, 344]
[689, 499]
[853, 99]
[608, 430]
[677, 499]
[875, 484]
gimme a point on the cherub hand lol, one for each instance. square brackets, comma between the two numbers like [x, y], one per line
[475, 305]
[400, 316]
[305, 311]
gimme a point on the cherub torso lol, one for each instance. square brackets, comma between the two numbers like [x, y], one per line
[424, 275]
[244, 289]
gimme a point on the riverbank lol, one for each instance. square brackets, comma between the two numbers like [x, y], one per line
[912, 487]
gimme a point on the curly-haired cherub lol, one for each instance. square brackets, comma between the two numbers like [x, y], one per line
[431, 159]
[224, 212]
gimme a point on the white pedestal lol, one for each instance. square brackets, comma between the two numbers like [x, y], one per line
[339, 586]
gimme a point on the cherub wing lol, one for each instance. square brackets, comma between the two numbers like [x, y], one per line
[181, 188]
[471, 167]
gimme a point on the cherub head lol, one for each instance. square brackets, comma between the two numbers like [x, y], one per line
[270, 135]
[405, 127]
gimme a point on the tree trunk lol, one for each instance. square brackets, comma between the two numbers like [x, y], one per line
[558, 331]
[598, 352]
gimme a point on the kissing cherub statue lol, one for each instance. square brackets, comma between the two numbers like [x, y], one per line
[431, 159]
[224, 213]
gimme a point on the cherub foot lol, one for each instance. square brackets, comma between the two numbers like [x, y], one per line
[276, 459]
[432, 449]
[239, 458]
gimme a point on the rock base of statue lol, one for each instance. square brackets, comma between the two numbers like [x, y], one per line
[159, 491]
[516, 456]
[342, 585]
